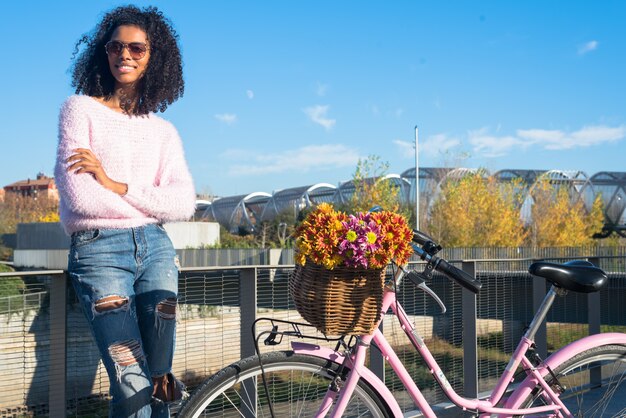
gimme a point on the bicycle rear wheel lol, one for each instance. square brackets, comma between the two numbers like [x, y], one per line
[594, 382]
[297, 384]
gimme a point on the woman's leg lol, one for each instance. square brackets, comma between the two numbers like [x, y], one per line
[102, 268]
[156, 290]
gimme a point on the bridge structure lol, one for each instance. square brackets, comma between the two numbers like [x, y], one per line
[245, 213]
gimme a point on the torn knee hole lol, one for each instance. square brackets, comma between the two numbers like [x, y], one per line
[126, 353]
[167, 308]
[110, 303]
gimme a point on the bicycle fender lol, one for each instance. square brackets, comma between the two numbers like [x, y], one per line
[366, 374]
[563, 354]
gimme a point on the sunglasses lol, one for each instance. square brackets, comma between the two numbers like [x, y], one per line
[137, 50]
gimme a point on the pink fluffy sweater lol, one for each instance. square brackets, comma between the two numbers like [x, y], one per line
[144, 152]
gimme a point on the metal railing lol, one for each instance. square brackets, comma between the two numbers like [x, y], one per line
[50, 367]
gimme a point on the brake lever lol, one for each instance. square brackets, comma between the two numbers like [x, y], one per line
[420, 282]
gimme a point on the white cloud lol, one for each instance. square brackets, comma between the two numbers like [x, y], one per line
[250, 94]
[489, 145]
[227, 118]
[311, 157]
[317, 114]
[321, 89]
[592, 135]
[485, 143]
[585, 137]
[407, 149]
[438, 144]
[587, 47]
[433, 146]
[541, 135]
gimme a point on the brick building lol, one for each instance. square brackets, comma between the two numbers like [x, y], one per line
[42, 186]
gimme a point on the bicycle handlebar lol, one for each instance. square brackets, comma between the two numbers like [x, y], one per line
[426, 251]
[458, 275]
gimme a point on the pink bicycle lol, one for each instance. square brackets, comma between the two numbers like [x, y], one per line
[585, 378]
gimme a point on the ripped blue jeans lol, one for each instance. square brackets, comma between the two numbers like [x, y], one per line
[127, 283]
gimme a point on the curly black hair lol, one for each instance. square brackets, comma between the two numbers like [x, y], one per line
[162, 82]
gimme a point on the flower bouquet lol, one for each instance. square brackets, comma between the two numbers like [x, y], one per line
[338, 281]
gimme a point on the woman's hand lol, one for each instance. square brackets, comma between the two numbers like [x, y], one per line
[85, 161]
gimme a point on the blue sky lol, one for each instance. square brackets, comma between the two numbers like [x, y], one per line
[288, 93]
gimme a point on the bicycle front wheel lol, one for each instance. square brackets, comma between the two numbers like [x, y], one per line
[297, 384]
[594, 383]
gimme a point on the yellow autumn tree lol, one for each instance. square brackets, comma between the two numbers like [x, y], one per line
[560, 221]
[23, 209]
[52, 216]
[477, 211]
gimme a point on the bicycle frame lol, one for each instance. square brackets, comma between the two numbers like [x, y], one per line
[535, 374]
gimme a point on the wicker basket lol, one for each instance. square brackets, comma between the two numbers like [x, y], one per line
[343, 301]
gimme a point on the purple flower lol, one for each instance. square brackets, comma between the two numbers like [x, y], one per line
[360, 241]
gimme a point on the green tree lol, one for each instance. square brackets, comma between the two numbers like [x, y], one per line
[229, 240]
[277, 233]
[371, 188]
[10, 288]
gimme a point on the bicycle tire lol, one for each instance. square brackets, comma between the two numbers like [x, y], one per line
[584, 399]
[304, 379]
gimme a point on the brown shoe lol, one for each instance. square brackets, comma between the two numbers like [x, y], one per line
[168, 389]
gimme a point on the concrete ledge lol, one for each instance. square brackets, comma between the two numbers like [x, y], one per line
[47, 259]
[45, 245]
[193, 234]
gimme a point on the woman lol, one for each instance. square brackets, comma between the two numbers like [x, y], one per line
[121, 174]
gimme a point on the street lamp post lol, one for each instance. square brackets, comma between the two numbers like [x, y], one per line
[417, 182]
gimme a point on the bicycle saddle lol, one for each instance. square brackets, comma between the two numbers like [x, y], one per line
[577, 275]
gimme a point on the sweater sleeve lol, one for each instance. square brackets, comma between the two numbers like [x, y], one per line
[81, 193]
[172, 196]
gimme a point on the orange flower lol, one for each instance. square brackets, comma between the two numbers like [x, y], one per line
[318, 238]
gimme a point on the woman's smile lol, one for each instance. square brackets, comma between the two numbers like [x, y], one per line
[125, 68]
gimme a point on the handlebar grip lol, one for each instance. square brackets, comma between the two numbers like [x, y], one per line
[458, 276]
[421, 238]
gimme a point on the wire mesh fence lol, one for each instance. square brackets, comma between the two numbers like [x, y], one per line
[24, 344]
[40, 353]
